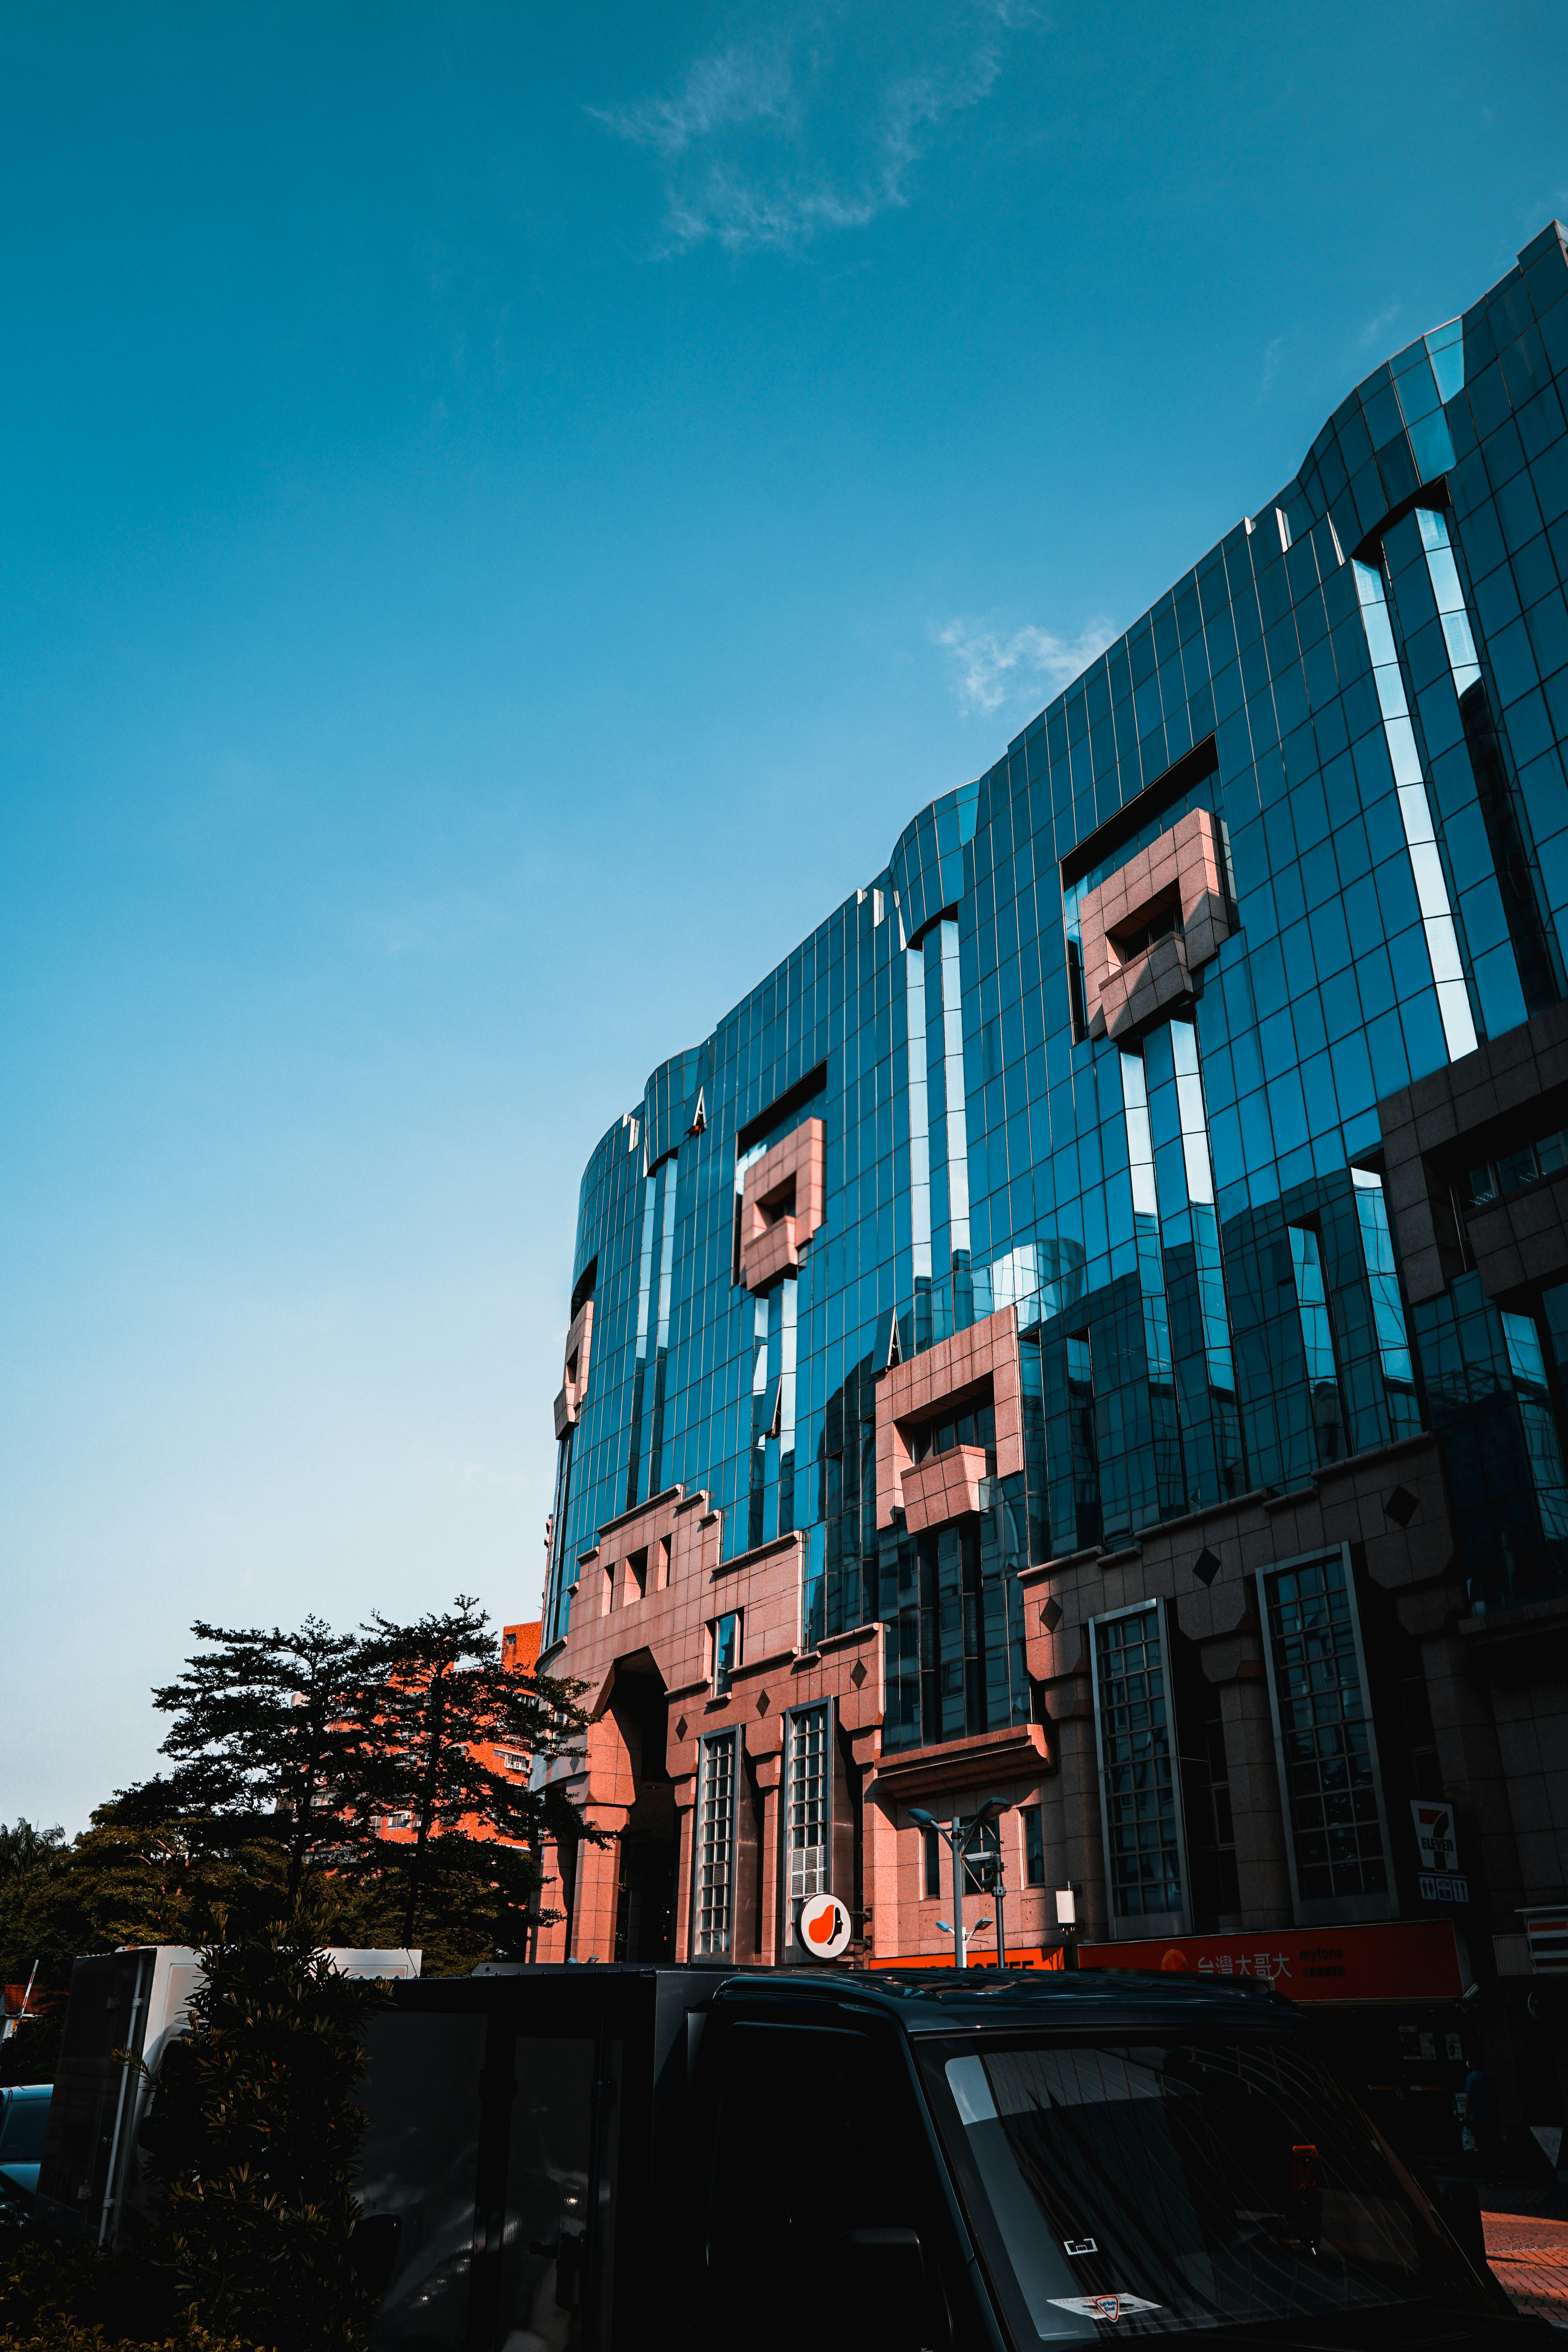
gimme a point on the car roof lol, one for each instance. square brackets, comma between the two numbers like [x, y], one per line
[938, 2000]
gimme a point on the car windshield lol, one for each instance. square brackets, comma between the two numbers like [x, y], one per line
[1168, 2185]
[23, 2125]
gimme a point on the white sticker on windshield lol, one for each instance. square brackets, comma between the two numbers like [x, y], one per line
[1103, 2306]
[1081, 2246]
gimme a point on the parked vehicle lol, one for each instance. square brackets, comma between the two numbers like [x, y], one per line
[24, 2120]
[614, 2158]
[92, 2175]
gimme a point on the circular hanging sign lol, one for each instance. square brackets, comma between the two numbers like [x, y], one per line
[821, 1924]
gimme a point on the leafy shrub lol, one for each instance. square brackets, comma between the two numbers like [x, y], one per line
[254, 2135]
[53, 2299]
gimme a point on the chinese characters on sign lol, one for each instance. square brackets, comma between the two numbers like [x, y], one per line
[1266, 1966]
[1443, 1886]
[1408, 1960]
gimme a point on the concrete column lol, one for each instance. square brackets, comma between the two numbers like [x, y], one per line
[770, 1860]
[1262, 1866]
[685, 1831]
[598, 1881]
[890, 1901]
[1078, 1859]
[551, 1941]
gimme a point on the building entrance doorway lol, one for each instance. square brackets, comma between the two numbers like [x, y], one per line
[645, 1882]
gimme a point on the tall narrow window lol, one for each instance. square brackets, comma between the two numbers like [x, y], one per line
[1318, 1339]
[930, 1865]
[726, 1652]
[1416, 814]
[1085, 1452]
[809, 1803]
[1527, 1362]
[635, 1465]
[1377, 1248]
[1137, 1766]
[716, 1845]
[1326, 1745]
[1034, 1847]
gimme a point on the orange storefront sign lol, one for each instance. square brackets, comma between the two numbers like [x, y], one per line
[1416, 1960]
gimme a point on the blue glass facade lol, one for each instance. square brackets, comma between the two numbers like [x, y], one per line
[1209, 1053]
[1368, 684]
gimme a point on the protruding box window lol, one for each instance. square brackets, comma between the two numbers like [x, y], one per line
[1149, 926]
[947, 1421]
[782, 1205]
[575, 1378]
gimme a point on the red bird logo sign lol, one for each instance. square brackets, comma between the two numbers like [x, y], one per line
[822, 1924]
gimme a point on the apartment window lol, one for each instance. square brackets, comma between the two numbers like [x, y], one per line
[1327, 1751]
[1034, 1847]
[726, 1652]
[977, 1426]
[930, 1865]
[716, 1845]
[636, 1576]
[808, 1803]
[1511, 1171]
[1136, 1765]
[607, 1590]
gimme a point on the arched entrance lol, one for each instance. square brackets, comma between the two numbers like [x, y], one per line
[644, 1886]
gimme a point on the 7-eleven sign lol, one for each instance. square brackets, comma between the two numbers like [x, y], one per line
[1435, 1838]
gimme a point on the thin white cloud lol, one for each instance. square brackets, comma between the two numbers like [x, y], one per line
[742, 86]
[991, 667]
[1374, 334]
[769, 146]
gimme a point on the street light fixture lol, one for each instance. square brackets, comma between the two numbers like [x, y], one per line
[956, 1835]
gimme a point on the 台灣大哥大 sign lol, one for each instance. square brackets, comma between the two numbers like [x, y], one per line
[1406, 1960]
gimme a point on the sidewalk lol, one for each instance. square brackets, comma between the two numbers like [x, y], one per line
[1527, 2246]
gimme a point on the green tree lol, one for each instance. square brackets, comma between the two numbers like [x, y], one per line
[432, 1695]
[143, 1873]
[25, 1849]
[264, 1727]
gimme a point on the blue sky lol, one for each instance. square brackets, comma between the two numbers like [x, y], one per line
[506, 511]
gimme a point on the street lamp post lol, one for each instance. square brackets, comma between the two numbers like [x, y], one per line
[957, 1835]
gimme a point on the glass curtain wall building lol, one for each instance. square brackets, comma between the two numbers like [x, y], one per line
[1187, 1096]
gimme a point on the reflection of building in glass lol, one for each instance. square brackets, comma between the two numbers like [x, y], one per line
[1089, 1328]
